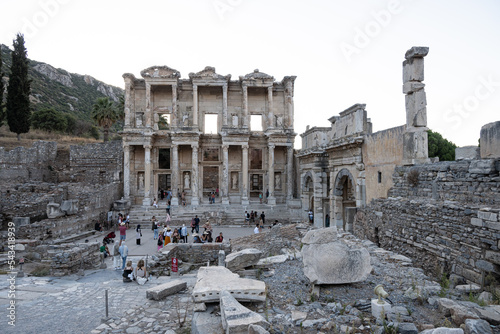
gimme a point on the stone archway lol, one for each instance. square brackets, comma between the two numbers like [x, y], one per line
[344, 199]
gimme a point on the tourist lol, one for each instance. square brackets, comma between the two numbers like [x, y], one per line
[104, 249]
[176, 236]
[128, 272]
[123, 231]
[168, 208]
[219, 238]
[98, 226]
[311, 216]
[154, 203]
[213, 198]
[141, 275]
[252, 217]
[183, 197]
[123, 249]
[154, 227]
[127, 221]
[116, 255]
[167, 236]
[196, 239]
[138, 234]
[260, 197]
[207, 226]
[247, 218]
[204, 237]
[197, 224]
[267, 195]
[256, 229]
[160, 242]
[184, 233]
[168, 219]
[263, 218]
[162, 194]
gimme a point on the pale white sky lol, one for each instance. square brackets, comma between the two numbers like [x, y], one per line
[342, 52]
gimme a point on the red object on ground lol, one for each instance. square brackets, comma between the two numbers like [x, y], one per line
[174, 265]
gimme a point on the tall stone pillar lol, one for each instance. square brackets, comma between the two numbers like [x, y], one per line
[148, 115]
[244, 171]
[225, 174]
[224, 105]
[175, 173]
[331, 199]
[147, 176]
[128, 86]
[174, 121]
[289, 103]
[270, 114]
[289, 172]
[195, 200]
[271, 200]
[415, 148]
[126, 171]
[195, 106]
[245, 106]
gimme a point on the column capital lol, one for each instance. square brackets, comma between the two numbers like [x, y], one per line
[195, 87]
[245, 147]
[174, 146]
[147, 146]
[272, 146]
[225, 147]
[194, 146]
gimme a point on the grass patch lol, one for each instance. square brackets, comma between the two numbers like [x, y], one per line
[41, 270]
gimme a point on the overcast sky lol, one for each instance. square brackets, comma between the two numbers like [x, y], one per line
[342, 52]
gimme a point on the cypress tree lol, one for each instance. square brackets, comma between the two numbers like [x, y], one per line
[18, 91]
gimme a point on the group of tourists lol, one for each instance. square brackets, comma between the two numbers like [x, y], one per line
[251, 217]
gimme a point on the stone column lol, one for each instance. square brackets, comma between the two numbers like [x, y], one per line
[244, 171]
[271, 200]
[331, 198]
[289, 172]
[270, 114]
[225, 174]
[289, 104]
[245, 106]
[175, 173]
[174, 121]
[148, 106]
[195, 106]
[126, 171]
[147, 176]
[128, 86]
[224, 105]
[195, 200]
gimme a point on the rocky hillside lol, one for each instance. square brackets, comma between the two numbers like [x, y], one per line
[66, 92]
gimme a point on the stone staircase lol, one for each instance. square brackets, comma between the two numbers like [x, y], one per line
[217, 213]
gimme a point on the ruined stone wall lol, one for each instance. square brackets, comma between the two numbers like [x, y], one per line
[443, 215]
[69, 259]
[382, 152]
[30, 164]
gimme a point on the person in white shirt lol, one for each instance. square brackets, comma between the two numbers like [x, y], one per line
[256, 229]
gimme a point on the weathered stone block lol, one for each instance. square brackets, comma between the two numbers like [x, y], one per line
[235, 317]
[487, 215]
[415, 145]
[417, 52]
[244, 258]
[476, 222]
[21, 221]
[477, 326]
[486, 266]
[413, 69]
[492, 225]
[161, 291]
[467, 153]
[490, 140]
[69, 207]
[482, 166]
[492, 256]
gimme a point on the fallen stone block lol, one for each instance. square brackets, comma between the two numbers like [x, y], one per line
[460, 313]
[333, 262]
[235, 317]
[489, 313]
[256, 329]
[206, 322]
[242, 259]
[161, 291]
[468, 288]
[272, 260]
[407, 328]
[443, 330]
[212, 280]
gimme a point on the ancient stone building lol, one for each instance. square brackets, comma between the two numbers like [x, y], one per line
[168, 144]
[344, 166]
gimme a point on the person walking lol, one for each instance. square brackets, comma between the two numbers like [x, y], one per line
[138, 234]
[123, 231]
[168, 208]
[197, 224]
[116, 256]
[263, 218]
[154, 227]
[123, 252]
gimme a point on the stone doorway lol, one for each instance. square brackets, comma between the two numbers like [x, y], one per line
[210, 180]
[257, 186]
[164, 182]
[345, 199]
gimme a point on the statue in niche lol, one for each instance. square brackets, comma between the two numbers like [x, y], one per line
[186, 181]
[279, 121]
[141, 181]
[235, 121]
[185, 119]
[234, 181]
[277, 181]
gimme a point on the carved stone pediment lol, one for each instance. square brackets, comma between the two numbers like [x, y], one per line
[209, 73]
[160, 72]
[256, 75]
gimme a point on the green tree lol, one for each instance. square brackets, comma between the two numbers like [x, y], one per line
[19, 89]
[440, 147]
[49, 120]
[105, 114]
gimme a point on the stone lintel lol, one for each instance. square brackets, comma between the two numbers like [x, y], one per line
[161, 291]
[417, 52]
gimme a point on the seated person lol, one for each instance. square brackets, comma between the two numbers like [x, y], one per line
[98, 226]
[128, 273]
[141, 275]
[204, 237]
[104, 249]
[219, 238]
[196, 239]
